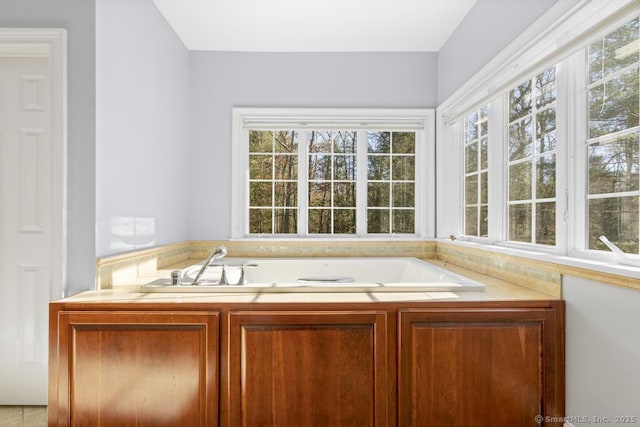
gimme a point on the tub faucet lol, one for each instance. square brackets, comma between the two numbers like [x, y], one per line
[217, 253]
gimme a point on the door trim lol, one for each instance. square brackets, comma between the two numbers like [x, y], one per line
[52, 43]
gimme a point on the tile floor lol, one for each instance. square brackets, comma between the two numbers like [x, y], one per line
[23, 416]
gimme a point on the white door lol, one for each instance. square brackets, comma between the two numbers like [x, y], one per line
[30, 217]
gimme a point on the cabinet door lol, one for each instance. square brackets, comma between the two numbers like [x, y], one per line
[480, 367]
[137, 368]
[307, 368]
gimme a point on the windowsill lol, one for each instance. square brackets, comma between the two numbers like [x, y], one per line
[607, 266]
[329, 238]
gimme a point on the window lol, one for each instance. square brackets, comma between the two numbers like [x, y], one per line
[391, 182]
[562, 108]
[332, 182]
[613, 144]
[531, 153]
[273, 181]
[476, 176]
[325, 173]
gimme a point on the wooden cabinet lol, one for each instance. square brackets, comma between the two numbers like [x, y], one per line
[135, 368]
[307, 368]
[300, 364]
[479, 367]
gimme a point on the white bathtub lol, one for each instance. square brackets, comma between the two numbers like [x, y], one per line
[321, 275]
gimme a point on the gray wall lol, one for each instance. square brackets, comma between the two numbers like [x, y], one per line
[78, 18]
[222, 80]
[602, 350]
[142, 119]
[487, 29]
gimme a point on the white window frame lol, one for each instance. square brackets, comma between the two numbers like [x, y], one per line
[560, 38]
[422, 121]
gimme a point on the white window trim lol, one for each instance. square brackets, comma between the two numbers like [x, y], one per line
[420, 120]
[560, 38]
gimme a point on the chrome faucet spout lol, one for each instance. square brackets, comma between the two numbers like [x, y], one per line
[218, 253]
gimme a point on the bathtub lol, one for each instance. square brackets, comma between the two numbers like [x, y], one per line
[388, 274]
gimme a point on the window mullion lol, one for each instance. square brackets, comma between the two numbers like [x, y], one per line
[497, 169]
[303, 183]
[575, 120]
[361, 183]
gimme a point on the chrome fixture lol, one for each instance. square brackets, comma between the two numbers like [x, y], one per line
[217, 253]
[621, 257]
[175, 277]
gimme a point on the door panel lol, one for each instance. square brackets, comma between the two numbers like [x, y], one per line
[307, 369]
[26, 245]
[137, 368]
[476, 368]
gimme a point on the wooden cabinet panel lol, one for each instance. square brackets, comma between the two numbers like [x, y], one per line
[307, 368]
[478, 367]
[137, 368]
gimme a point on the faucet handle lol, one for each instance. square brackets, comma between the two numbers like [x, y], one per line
[243, 277]
[224, 280]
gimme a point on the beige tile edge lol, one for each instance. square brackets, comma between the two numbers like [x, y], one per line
[531, 274]
[541, 276]
[123, 269]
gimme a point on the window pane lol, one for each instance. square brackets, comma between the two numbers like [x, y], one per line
[520, 181]
[378, 221]
[614, 165]
[404, 194]
[286, 167]
[378, 142]
[471, 127]
[546, 87]
[403, 221]
[320, 194]
[520, 101]
[471, 190]
[378, 194]
[546, 177]
[320, 167]
[319, 221]
[484, 153]
[345, 168]
[484, 188]
[345, 142]
[260, 194]
[404, 142]
[286, 194]
[615, 51]
[260, 141]
[378, 168]
[484, 221]
[321, 141]
[344, 194]
[520, 222]
[471, 157]
[260, 221]
[546, 223]
[344, 221]
[286, 142]
[286, 221]
[520, 138]
[613, 105]
[260, 167]
[617, 219]
[546, 130]
[471, 221]
[404, 168]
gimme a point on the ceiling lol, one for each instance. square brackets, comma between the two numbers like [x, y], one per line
[315, 25]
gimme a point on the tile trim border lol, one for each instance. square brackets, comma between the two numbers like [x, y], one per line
[537, 275]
